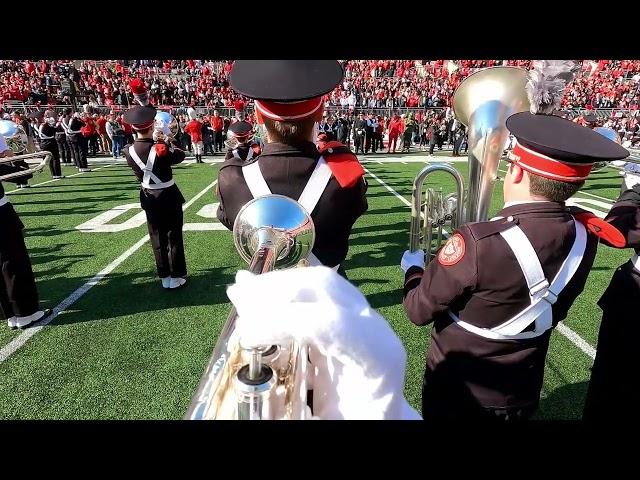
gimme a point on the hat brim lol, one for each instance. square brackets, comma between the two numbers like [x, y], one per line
[285, 80]
[563, 139]
[139, 115]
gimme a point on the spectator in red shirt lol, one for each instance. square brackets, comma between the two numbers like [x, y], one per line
[101, 123]
[217, 125]
[194, 129]
[395, 129]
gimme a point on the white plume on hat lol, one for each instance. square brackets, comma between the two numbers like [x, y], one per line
[547, 82]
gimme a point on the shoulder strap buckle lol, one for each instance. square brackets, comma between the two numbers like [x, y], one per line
[538, 287]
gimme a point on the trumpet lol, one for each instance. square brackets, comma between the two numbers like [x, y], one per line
[46, 158]
[269, 382]
[15, 136]
[482, 102]
[165, 127]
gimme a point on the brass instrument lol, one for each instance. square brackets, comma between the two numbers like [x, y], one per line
[482, 102]
[45, 159]
[270, 232]
[165, 127]
[232, 141]
[15, 136]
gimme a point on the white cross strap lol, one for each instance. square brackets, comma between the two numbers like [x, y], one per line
[542, 295]
[255, 181]
[315, 186]
[526, 257]
[310, 195]
[308, 198]
[4, 200]
[636, 262]
[147, 170]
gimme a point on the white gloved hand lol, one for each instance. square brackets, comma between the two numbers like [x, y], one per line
[412, 259]
[631, 180]
[358, 360]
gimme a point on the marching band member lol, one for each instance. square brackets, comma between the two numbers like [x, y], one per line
[64, 123]
[612, 393]
[498, 288]
[78, 142]
[246, 147]
[160, 197]
[48, 131]
[19, 300]
[329, 184]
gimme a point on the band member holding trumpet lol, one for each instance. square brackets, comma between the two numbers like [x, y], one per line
[160, 197]
[329, 183]
[497, 288]
[19, 302]
[48, 131]
[240, 142]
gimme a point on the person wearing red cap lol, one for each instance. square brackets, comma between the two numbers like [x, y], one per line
[160, 197]
[329, 183]
[498, 288]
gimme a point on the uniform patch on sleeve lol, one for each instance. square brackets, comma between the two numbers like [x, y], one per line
[453, 251]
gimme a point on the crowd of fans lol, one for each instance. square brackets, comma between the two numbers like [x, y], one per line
[368, 83]
[381, 104]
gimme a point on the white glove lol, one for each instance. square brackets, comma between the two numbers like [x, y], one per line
[358, 361]
[412, 259]
[631, 180]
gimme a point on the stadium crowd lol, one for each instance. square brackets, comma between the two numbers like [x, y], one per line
[367, 83]
[392, 104]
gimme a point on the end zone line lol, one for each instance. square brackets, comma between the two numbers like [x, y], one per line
[21, 339]
[576, 339]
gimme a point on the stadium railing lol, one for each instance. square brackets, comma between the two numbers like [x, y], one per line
[12, 105]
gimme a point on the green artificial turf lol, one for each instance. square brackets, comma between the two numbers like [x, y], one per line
[130, 349]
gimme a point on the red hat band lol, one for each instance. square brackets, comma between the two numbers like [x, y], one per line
[288, 111]
[143, 126]
[548, 167]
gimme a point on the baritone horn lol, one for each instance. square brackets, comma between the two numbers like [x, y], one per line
[482, 102]
[269, 382]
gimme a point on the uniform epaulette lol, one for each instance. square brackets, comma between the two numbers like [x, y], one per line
[161, 149]
[480, 230]
[599, 227]
[343, 163]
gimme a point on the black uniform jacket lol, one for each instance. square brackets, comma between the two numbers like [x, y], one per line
[286, 169]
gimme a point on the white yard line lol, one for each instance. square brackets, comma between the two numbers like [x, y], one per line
[396, 194]
[576, 339]
[21, 339]
[598, 196]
